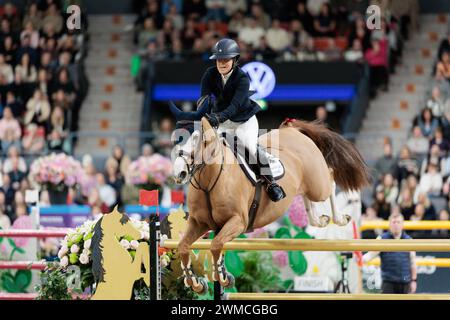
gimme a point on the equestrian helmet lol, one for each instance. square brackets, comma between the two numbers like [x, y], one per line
[225, 49]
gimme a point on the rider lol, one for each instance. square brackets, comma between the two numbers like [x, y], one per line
[233, 109]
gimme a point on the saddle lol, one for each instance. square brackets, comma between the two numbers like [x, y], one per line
[248, 162]
[249, 166]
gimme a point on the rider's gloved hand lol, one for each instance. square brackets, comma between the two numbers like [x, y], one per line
[213, 119]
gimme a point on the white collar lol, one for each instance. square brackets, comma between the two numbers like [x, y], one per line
[226, 77]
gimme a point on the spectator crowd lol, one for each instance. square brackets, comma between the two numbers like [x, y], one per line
[42, 86]
[417, 182]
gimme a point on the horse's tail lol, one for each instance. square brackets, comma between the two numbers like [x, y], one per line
[349, 168]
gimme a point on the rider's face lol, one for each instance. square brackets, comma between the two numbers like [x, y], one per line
[224, 65]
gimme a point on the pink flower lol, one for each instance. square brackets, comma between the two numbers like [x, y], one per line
[280, 258]
[297, 212]
[23, 222]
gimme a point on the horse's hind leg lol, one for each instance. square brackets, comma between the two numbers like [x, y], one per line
[232, 228]
[313, 219]
[338, 219]
[193, 232]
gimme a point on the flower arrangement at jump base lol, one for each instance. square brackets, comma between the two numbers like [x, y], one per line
[56, 172]
[76, 251]
[154, 170]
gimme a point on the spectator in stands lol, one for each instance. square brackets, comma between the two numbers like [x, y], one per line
[370, 215]
[278, 39]
[107, 193]
[264, 52]
[298, 35]
[236, 23]
[16, 175]
[10, 131]
[25, 48]
[406, 203]
[308, 53]
[437, 103]
[148, 33]
[406, 165]
[332, 52]
[427, 123]
[31, 32]
[27, 73]
[261, 17]
[325, 22]
[430, 210]
[381, 206]
[13, 155]
[443, 67]
[251, 33]
[15, 106]
[441, 233]
[406, 13]
[33, 141]
[431, 181]
[6, 74]
[43, 82]
[359, 31]
[53, 18]
[355, 52]
[444, 46]
[304, 16]
[215, 10]
[386, 163]
[419, 213]
[194, 9]
[9, 49]
[113, 179]
[189, 34]
[147, 150]
[55, 142]
[390, 188]
[8, 192]
[418, 144]
[38, 109]
[376, 57]
[175, 17]
[233, 6]
[5, 222]
[33, 16]
[441, 142]
[122, 159]
[163, 143]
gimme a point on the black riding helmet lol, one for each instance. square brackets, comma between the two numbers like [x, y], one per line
[226, 49]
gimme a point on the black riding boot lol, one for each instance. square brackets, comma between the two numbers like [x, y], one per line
[274, 191]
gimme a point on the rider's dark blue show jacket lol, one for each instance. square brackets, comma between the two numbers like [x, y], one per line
[232, 100]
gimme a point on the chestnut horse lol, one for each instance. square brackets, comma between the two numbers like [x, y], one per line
[314, 158]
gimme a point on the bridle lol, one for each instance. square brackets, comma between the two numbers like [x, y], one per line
[195, 168]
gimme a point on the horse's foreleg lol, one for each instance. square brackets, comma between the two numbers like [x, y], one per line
[233, 228]
[313, 219]
[338, 219]
[193, 232]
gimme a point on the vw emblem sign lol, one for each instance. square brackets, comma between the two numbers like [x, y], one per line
[262, 79]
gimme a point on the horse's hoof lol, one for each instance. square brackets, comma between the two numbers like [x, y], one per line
[202, 287]
[344, 221]
[229, 283]
[324, 221]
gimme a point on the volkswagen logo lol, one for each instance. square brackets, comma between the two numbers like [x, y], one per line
[262, 79]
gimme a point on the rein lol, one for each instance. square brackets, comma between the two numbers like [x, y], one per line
[198, 168]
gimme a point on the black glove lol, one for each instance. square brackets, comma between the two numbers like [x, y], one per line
[213, 119]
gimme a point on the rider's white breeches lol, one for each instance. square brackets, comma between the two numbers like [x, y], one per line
[247, 132]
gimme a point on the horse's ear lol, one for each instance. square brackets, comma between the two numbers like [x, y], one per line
[208, 132]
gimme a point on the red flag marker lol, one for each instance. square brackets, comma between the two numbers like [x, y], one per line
[149, 198]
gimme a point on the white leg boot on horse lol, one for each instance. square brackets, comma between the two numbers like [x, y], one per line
[193, 232]
[232, 229]
[338, 219]
[314, 219]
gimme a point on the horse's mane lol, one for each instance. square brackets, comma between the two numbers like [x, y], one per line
[97, 252]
